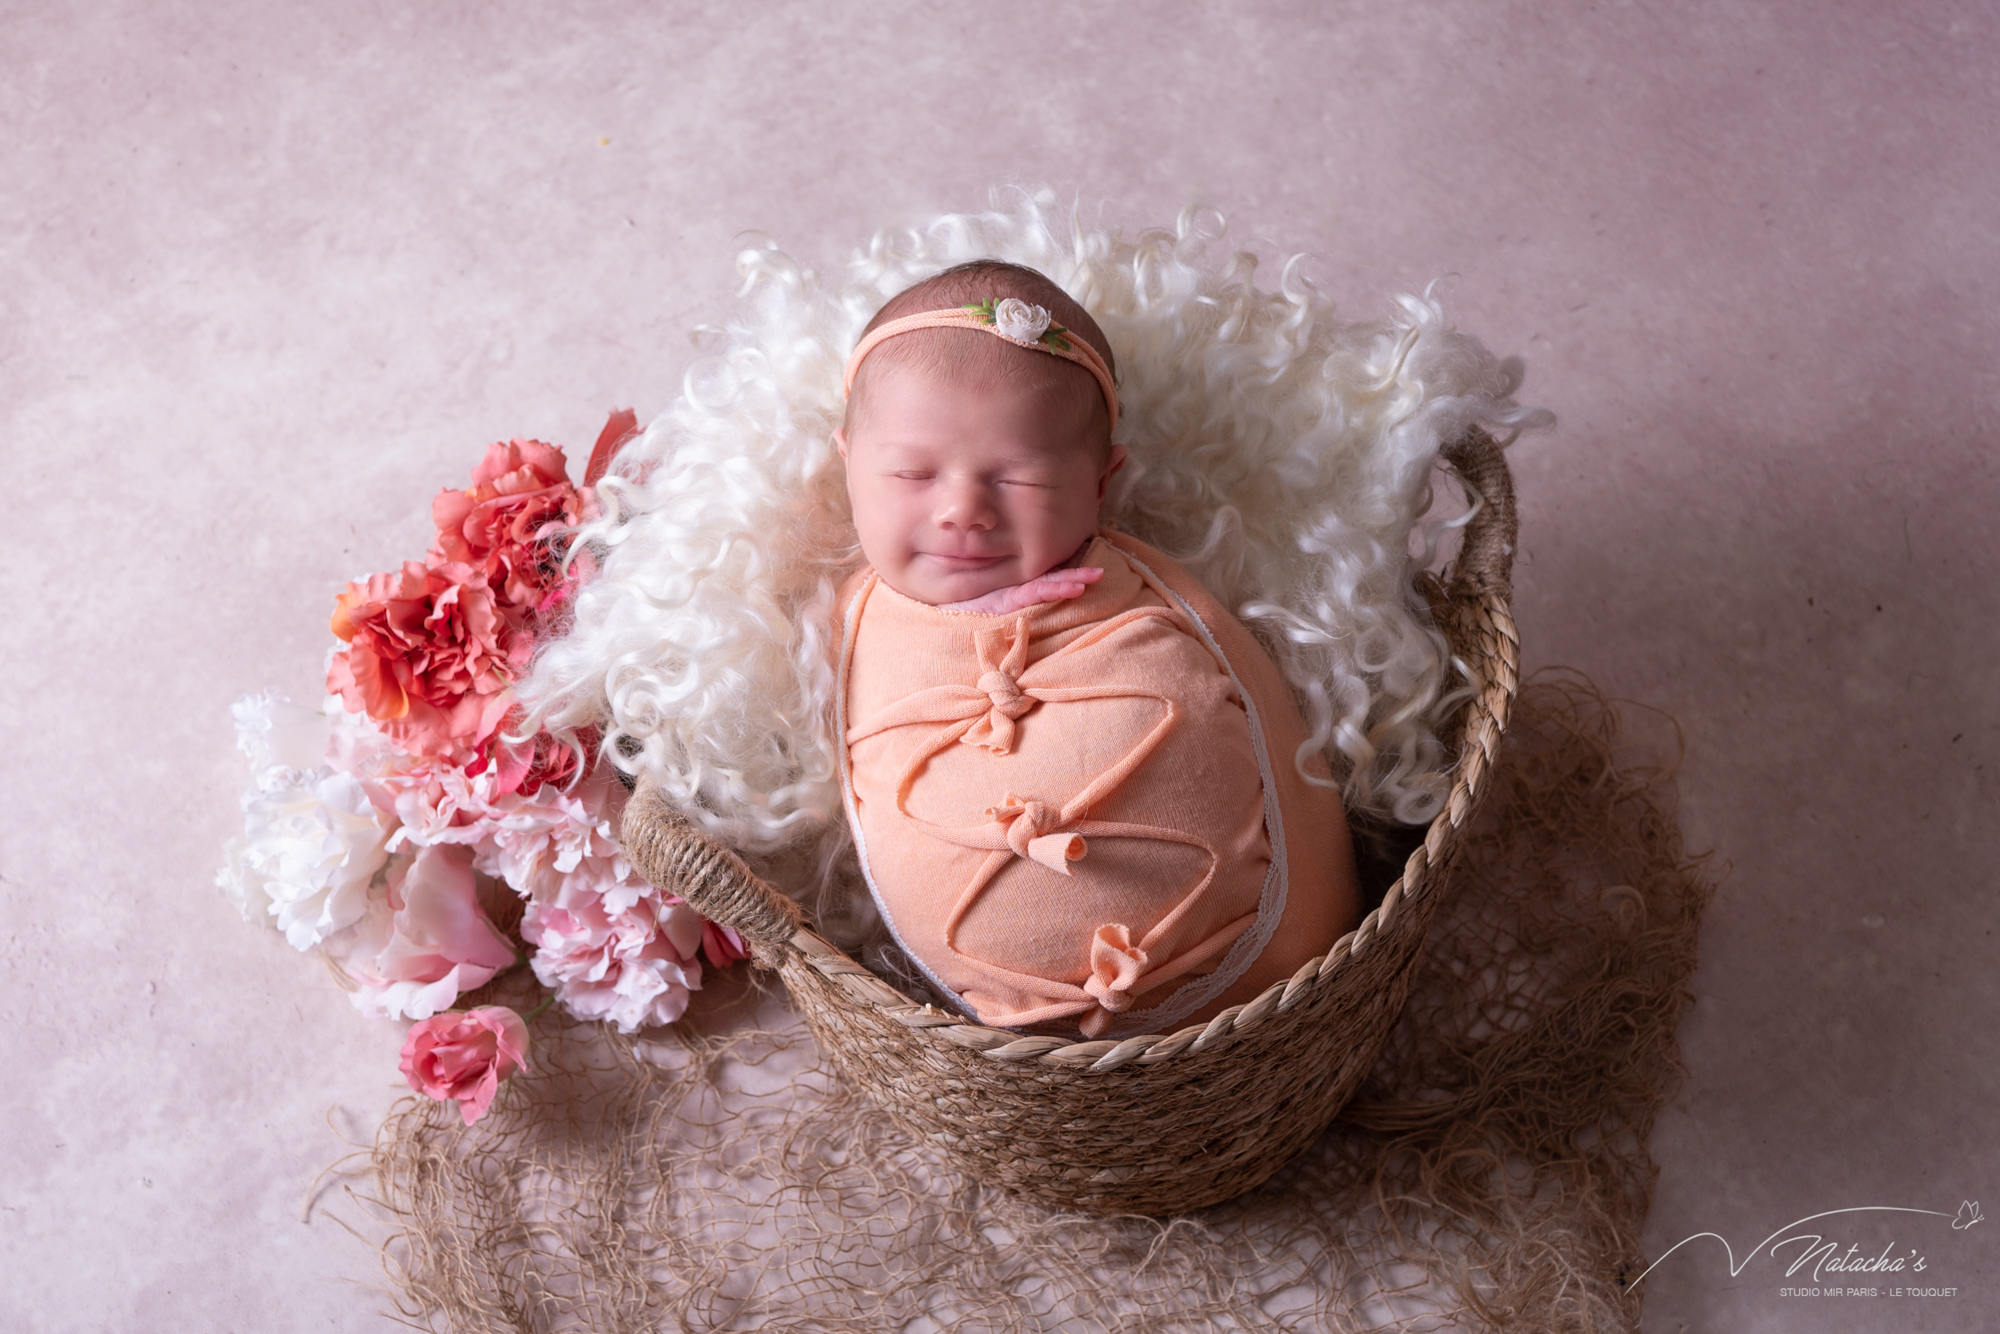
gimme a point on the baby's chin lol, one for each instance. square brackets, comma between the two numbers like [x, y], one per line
[941, 593]
[927, 579]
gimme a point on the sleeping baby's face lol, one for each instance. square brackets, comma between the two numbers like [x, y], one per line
[975, 479]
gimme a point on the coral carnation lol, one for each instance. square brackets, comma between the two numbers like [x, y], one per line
[519, 491]
[430, 655]
[524, 766]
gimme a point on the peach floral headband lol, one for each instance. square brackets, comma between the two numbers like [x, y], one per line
[1010, 318]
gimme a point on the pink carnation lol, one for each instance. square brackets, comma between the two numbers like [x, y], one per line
[463, 1058]
[430, 655]
[519, 492]
[611, 946]
[633, 968]
[436, 802]
[525, 766]
[561, 847]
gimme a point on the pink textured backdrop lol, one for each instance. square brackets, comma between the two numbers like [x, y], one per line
[270, 275]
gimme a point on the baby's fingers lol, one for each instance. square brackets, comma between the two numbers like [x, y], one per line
[1054, 587]
[1063, 583]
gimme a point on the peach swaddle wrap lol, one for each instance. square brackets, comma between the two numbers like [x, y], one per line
[1086, 811]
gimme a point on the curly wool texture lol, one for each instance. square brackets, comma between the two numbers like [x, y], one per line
[1283, 456]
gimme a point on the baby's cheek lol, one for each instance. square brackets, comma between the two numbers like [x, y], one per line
[884, 541]
[1075, 524]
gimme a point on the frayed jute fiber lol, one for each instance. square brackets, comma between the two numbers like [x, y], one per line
[1492, 1173]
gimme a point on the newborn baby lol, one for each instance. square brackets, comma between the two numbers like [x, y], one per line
[1069, 772]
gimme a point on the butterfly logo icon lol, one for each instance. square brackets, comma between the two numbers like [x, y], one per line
[1968, 1214]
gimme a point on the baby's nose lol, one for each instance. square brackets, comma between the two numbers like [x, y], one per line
[966, 505]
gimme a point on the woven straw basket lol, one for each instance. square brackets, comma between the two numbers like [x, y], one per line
[1164, 1123]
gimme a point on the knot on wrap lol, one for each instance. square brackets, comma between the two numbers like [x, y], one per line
[998, 669]
[1031, 827]
[1005, 692]
[1115, 964]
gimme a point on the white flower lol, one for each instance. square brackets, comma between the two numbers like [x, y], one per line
[278, 734]
[1016, 319]
[312, 841]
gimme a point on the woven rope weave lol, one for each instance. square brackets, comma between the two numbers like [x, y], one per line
[1162, 1123]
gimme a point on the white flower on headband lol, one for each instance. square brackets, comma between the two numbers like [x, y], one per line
[1016, 319]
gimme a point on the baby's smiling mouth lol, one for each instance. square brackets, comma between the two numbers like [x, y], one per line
[973, 562]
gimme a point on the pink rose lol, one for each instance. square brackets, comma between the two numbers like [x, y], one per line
[720, 945]
[430, 655]
[439, 925]
[426, 941]
[462, 1058]
[519, 492]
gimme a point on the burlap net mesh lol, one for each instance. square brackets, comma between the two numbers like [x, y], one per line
[1492, 1173]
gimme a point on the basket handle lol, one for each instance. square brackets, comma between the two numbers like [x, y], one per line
[678, 858]
[1485, 564]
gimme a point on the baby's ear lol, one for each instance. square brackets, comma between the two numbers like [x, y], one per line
[1112, 463]
[840, 440]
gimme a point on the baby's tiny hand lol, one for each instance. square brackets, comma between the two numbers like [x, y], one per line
[1051, 587]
